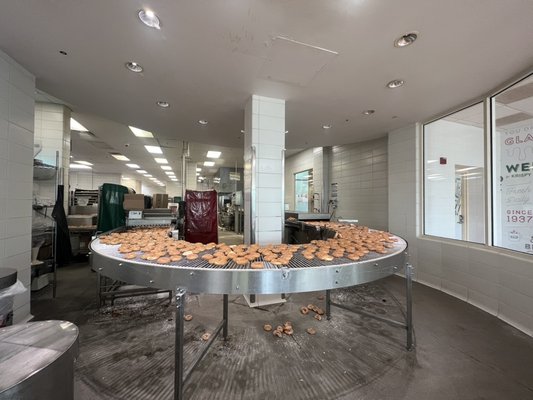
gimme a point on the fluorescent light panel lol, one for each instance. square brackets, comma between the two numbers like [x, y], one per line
[213, 154]
[142, 171]
[209, 163]
[154, 149]
[76, 126]
[166, 167]
[141, 133]
[120, 157]
[161, 160]
[134, 166]
[84, 163]
[79, 166]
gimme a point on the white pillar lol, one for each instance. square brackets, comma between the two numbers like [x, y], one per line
[264, 148]
[190, 178]
[52, 132]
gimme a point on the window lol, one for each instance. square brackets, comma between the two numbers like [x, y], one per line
[303, 190]
[454, 163]
[513, 167]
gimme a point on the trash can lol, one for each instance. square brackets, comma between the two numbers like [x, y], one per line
[37, 360]
[9, 287]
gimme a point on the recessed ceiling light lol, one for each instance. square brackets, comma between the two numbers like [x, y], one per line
[198, 169]
[79, 166]
[396, 83]
[163, 104]
[213, 154]
[203, 122]
[169, 173]
[209, 163]
[369, 112]
[154, 149]
[84, 162]
[242, 130]
[140, 132]
[142, 171]
[326, 126]
[120, 157]
[149, 18]
[76, 126]
[197, 174]
[134, 166]
[134, 67]
[174, 179]
[161, 160]
[148, 175]
[166, 167]
[406, 39]
[153, 179]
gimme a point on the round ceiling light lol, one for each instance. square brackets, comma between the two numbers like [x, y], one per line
[369, 112]
[326, 126]
[406, 39]
[149, 18]
[134, 67]
[396, 83]
[203, 122]
[163, 104]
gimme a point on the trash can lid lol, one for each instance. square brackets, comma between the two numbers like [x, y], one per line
[27, 349]
[8, 277]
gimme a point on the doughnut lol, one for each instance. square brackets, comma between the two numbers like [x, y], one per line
[258, 265]
[267, 327]
[311, 331]
[187, 317]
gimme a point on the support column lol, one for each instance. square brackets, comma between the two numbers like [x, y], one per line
[52, 133]
[264, 147]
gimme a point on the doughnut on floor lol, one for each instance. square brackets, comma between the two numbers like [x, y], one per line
[130, 352]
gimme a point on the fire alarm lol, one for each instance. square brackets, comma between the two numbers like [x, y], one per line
[443, 161]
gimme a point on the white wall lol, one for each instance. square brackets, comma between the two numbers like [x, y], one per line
[360, 170]
[150, 190]
[17, 88]
[90, 180]
[296, 163]
[496, 280]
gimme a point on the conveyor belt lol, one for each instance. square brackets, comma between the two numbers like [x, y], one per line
[299, 275]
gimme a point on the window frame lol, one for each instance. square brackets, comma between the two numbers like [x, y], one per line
[489, 129]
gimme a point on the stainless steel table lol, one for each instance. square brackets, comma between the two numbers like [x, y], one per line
[37, 361]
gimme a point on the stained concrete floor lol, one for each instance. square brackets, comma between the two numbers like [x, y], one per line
[126, 350]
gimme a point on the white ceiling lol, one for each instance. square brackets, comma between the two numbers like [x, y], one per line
[210, 56]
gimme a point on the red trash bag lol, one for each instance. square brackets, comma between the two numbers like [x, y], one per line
[201, 216]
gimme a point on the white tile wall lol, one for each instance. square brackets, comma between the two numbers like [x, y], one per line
[91, 181]
[17, 88]
[265, 127]
[495, 280]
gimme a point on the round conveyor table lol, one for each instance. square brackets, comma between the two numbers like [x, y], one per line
[37, 360]
[300, 275]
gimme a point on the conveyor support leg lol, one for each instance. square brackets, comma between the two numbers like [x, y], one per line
[225, 317]
[409, 305]
[328, 304]
[178, 374]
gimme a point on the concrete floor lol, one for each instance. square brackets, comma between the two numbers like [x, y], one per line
[126, 351]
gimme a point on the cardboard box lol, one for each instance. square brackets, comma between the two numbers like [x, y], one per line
[133, 202]
[160, 200]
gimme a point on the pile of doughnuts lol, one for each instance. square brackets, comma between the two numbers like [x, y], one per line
[352, 242]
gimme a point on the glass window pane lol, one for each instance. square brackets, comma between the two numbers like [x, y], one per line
[454, 160]
[513, 167]
[303, 190]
